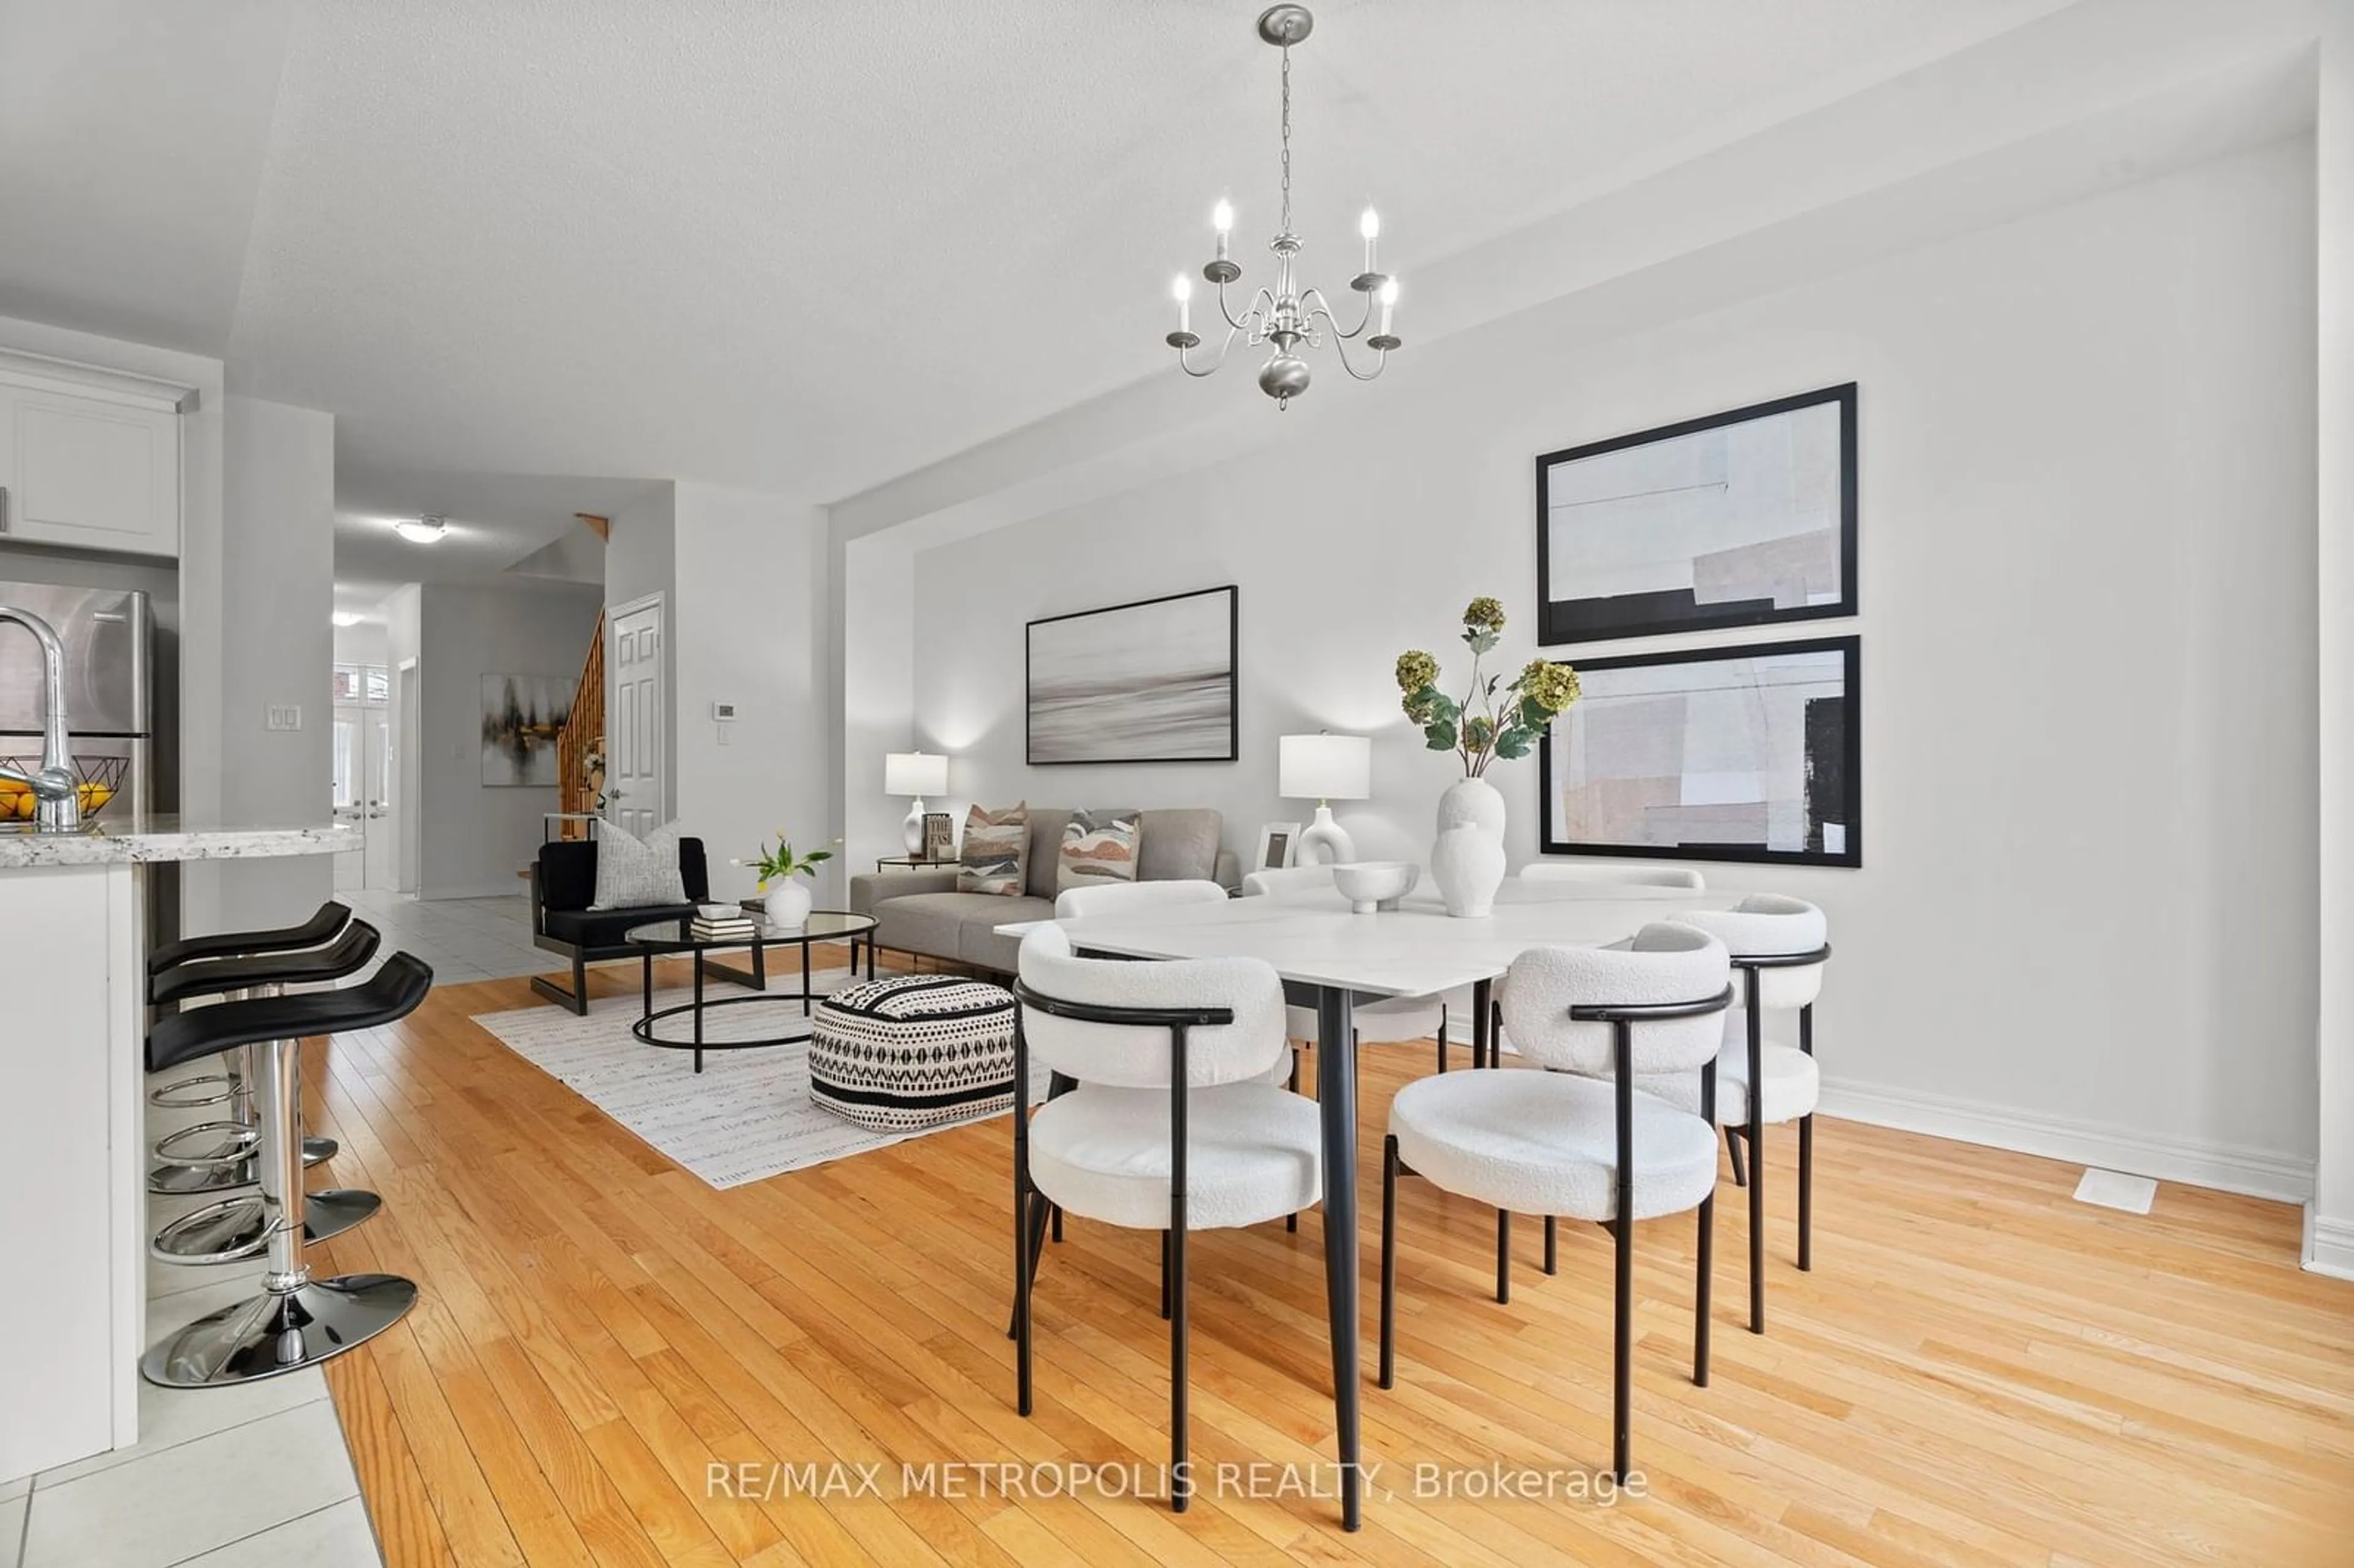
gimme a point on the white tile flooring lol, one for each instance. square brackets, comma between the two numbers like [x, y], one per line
[463, 938]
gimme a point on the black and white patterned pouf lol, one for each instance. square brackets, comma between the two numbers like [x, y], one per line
[913, 1051]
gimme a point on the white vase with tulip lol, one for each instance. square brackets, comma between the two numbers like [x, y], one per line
[784, 889]
[1493, 719]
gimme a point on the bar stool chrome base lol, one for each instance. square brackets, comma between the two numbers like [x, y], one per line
[279, 1331]
[188, 1179]
[210, 1143]
[192, 1094]
[236, 1228]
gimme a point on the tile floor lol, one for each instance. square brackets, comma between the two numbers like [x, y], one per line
[463, 938]
[219, 1478]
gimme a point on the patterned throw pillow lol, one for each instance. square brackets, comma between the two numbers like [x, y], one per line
[637, 874]
[1098, 847]
[996, 843]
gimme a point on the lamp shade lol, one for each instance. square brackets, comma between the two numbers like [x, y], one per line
[915, 773]
[1324, 767]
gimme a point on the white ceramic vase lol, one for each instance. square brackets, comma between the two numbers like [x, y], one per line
[787, 902]
[1468, 860]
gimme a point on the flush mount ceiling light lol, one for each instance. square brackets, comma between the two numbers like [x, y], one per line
[1286, 314]
[425, 530]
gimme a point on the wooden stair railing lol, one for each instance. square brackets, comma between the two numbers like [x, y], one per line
[582, 736]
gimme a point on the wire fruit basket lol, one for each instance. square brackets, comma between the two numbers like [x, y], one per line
[100, 779]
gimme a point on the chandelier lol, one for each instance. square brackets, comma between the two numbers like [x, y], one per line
[1286, 314]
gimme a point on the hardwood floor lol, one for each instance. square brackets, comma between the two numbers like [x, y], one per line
[1978, 1371]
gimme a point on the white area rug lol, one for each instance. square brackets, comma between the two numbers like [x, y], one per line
[745, 1117]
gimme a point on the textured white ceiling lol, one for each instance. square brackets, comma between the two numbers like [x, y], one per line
[808, 247]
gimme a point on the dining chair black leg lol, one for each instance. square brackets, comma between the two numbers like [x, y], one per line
[1733, 1146]
[1755, 1096]
[1549, 1267]
[1164, 1276]
[1622, 1345]
[1503, 1254]
[1181, 1485]
[1389, 1260]
[1058, 1222]
[1034, 1241]
[1025, 1267]
[1807, 1190]
[1442, 1037]
[1705, 1269]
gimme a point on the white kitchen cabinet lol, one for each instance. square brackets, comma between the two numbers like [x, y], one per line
[98, 471]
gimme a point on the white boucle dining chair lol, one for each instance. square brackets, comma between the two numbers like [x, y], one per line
[1564, 1143]
[1171, 1127]
[1691, 881]
[1128, 897]
[1393, 1020]
[1779, 946]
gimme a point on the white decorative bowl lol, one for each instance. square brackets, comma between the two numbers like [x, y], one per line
[1371, 884]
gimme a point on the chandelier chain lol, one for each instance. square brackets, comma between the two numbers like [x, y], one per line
[1287, 140]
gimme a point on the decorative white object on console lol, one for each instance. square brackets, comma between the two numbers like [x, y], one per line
[915, 773]
[1324, 768]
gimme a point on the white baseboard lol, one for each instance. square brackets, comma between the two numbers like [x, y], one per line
[2328, 1245]
[2227, 1168]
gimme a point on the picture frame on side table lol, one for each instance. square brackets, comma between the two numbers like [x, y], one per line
[1752, 753]
[1744, 518]
[1279, 843]
[939, 836]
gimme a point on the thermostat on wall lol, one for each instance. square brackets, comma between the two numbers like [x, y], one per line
[722, 712]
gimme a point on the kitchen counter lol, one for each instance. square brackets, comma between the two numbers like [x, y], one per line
[73, 1136]
[107, 840]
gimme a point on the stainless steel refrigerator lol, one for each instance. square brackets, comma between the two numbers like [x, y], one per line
[110, 647]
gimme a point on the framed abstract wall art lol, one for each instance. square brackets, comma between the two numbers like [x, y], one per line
[1729, 754]
[1744, 518]
[1149, 681]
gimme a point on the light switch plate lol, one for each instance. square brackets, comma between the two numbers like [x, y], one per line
[284, 716]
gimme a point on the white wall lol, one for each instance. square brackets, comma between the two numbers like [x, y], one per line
[2085, 916]
[474, 838]
[278, 572]
[748, 626]
[877, 594]
[369, 642]
[2329, 1242]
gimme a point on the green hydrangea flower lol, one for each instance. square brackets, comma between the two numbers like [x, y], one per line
[1416, 670]
[1551, 686]
[1484, 614]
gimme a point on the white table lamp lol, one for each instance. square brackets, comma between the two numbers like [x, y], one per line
[915, 773]
[1324, 768]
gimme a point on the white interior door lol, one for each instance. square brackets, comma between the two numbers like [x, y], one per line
[634, 719]
[376, 737]
[350, 777]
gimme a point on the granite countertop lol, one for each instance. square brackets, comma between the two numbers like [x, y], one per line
[112, 841]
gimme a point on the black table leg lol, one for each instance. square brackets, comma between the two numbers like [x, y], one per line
[1336, 1102]
[805, 979]
[646, 983]
[698, 1012]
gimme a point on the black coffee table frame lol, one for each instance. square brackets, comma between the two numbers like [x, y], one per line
[669, 939]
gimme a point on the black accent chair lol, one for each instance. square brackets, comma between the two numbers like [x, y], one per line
[563, 885]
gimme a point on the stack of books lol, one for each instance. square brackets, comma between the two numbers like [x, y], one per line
[722, 923]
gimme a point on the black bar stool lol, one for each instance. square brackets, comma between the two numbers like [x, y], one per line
[296, 1320]
[217, 1156]
[237, 1227]
[216, 1089]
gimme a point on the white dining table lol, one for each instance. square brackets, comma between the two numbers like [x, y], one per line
[1329, 957]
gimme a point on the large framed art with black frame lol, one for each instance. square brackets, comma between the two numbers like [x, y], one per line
[1730, 754]
[1744, 518]
[1149, 681]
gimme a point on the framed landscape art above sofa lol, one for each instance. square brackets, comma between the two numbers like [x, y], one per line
[1149, 681]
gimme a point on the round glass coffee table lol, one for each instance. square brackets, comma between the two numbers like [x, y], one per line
[671, 938]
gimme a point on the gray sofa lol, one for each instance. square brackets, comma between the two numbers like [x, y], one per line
[920, 911]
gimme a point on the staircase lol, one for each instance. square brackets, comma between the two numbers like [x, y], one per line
[583, 733]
